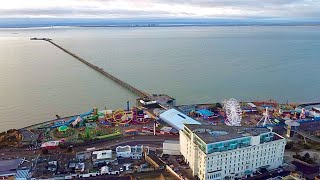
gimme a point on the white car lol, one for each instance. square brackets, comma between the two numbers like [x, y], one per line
[121, 169]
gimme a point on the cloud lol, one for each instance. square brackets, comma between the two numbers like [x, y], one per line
[281, 9]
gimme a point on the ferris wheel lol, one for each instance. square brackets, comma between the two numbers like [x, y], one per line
[233, 112]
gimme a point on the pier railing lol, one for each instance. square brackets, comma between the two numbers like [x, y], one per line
[100, 70]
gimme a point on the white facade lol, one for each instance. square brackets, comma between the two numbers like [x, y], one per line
[133, 152]
[137, 151]
[242, 154]
[171, 147]
[123, 151]
[103, 156]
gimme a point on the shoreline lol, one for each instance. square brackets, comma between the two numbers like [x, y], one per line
[180, 105]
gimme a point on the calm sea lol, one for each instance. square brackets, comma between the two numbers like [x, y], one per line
[192, 64]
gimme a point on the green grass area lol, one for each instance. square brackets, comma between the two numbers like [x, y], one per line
[110, 136]
[64, 134]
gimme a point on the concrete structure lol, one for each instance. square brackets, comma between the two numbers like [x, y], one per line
[104, 156]
[171, 147]
[176, 119]
[218, 152]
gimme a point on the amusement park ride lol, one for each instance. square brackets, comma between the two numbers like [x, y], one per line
[233, 112]
[121, 117]
[265, 120]
[108, 117]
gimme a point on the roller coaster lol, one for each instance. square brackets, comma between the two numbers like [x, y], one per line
[121, 117]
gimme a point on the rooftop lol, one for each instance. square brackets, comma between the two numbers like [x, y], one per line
[106, 154]
[137, 149]
[171, 142]
[28, 136]
[8, 165]
[155, 159]
[177, 119]
[212, 134]
[123, 148]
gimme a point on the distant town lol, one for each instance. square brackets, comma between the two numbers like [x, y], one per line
[149, 22]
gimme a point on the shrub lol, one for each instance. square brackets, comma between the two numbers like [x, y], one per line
[306, 146]
[289, 145]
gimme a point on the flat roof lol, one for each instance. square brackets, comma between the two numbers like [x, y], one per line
[212, 134]
[28, 136]
[156, 159]
[9, 165]
[177, 119]
[205, 112]
[106, 154]
[171, 142]
[123, 148]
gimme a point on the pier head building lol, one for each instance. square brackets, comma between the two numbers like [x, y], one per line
[219, 152]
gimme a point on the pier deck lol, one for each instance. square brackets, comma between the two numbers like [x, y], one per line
[100, 70]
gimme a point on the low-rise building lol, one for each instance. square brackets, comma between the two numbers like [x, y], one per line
[82, 156]
[137, 151]
[104, 156]
[155, 161]
[8, 167]
[218, 152]
[79, 167]
[123, 151]
[104, 170]
[133, 152]
[171, 147]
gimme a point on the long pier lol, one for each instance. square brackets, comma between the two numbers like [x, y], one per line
[100, 70]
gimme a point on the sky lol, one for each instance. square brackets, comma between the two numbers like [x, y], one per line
[243, 9]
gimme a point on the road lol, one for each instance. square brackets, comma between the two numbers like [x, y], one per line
[151, 141]
[130, 140]
[306, 135]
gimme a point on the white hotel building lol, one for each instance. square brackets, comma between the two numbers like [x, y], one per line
[218, 152]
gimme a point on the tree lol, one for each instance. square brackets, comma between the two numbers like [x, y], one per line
[219, 105]
[289, 145]
[307, 156]
[70, 148]
[306, 146]
[315, 156]
[79, 136]
[45, 151]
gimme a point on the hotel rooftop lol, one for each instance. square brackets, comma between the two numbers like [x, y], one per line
[212, 134]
